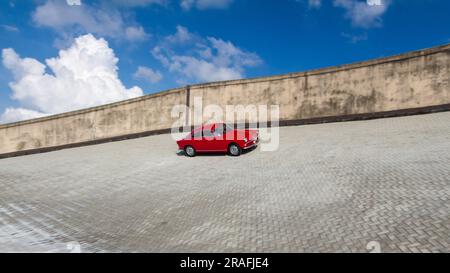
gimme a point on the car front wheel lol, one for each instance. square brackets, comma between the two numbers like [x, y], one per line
[190, 151]
[234, 150]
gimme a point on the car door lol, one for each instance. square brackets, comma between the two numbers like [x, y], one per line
[221, 143]
[208, 142]
[197, 140]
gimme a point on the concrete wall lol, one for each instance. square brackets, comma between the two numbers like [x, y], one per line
[411, 80]
[148, 113]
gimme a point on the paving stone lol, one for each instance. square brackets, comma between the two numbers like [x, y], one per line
[329, 188]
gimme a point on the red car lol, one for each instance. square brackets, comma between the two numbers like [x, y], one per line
[218, 137]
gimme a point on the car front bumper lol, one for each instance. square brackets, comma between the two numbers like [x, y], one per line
[250, 144]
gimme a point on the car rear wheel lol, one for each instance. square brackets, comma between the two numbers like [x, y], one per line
[190, 151]
[234, 150]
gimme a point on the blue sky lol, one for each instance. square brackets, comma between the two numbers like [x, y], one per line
[161, 44]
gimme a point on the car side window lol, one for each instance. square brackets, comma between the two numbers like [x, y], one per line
[208, 133]
[228, 127]
[219, 131]
[197, 135]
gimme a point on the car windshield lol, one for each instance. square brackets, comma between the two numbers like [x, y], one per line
[196, 134]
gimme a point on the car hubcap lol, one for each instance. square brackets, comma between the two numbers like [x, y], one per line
[190, 151]
[234, 150]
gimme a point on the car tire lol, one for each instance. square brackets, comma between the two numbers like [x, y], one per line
[234, 150]
[190, 151]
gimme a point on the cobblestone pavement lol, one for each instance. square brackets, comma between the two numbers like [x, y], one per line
[344, 187]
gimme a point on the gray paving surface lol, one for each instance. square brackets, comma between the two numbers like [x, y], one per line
[331, 187]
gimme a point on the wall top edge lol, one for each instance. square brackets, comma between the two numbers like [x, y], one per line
[332, 69]
[93, 109]
[314, 72]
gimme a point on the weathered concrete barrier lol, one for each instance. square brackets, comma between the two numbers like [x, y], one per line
[411, 83]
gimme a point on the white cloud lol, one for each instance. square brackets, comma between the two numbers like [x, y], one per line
[312, 4]
[181, 36]
[205, 4]
[136, 34]
[355, 38]
[17, 114]
[315, 3]
[83, 75]
[10, 28]
[202, 60]
[148, 74]
[72, 20]
[187, 4]
[362, 14]
[139, 3]
[73, 2]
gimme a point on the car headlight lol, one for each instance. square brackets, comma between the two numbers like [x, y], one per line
[245, 139]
